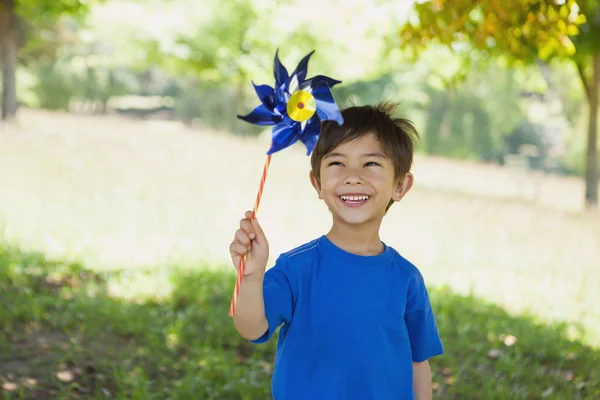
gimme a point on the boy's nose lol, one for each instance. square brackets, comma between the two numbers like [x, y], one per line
[353, 179]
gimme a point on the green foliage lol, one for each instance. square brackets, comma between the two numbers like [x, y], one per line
[80, 338]
[213, 104]
[58, 83]
[34, 9]
[524, 134]
[54, 88]
[218, 50]
[469, 116]
[459, 125]
[574, 161]
[47, 26]
[526, 29]
[368, 91]
[566, 83]
[589, 31]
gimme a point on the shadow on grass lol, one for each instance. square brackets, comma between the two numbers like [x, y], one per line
[64, 334]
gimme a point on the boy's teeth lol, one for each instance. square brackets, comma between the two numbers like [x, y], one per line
[355, 198]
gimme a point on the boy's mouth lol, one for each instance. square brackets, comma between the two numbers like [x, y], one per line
[354, 200]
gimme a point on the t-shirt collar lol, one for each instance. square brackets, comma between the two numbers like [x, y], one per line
[350, 258]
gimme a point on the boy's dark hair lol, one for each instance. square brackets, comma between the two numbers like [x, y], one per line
[396, 135]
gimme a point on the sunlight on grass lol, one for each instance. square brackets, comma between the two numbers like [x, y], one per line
[64, 335]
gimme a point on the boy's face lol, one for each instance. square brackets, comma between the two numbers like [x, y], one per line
[357, 181]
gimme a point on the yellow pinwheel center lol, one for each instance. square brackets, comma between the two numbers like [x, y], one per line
[301, 106]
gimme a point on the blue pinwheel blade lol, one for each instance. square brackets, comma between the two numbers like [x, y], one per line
[310, 135]
[281, 96]
[285, 133]
[261, 116]
[318, 80]
[302, 69]
[281, 74]
[266, 94]
[327, 109]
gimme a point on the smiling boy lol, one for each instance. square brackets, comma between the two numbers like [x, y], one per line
[355, 316]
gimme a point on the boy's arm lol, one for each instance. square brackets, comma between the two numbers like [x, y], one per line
[423, 334]
[265, 298]
[249, 318]
[250, 242]
[422, 381]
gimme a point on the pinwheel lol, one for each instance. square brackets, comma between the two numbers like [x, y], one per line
[295, 107]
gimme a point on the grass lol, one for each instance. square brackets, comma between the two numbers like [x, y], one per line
[65, 335]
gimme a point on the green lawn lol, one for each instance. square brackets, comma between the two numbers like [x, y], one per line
[67, 332]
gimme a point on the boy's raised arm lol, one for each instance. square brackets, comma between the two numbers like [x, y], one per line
[250, 241]
[249, 319]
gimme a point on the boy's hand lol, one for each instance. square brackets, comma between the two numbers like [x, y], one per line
[250, 241]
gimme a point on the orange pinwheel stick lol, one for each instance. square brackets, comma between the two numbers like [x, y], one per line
[240, 274]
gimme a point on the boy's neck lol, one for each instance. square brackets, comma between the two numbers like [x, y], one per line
[359, 240]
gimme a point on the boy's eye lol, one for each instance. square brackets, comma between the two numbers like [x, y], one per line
[372, 164]
[334, 163]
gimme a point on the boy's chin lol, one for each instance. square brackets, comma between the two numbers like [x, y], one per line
[354, 220]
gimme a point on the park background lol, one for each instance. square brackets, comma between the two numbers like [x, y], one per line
[124, 172]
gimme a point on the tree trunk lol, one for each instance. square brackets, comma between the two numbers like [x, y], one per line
[8, 58]
[591, 175]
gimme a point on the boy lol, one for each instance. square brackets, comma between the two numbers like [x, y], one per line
[356, 322]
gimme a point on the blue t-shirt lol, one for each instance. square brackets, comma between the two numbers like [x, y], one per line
[351, 325]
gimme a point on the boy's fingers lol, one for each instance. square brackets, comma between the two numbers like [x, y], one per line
[248, 228]
[241, 236]
[249, 214]
[260, 235]
[237, 249]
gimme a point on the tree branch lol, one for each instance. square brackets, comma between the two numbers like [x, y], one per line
[583, 8]
[596, 73]
[584, 79]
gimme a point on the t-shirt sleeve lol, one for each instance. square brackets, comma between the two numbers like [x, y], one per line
[423, 333]
[278, 297]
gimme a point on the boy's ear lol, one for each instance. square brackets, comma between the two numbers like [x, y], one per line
[315, 183]
[403, 187]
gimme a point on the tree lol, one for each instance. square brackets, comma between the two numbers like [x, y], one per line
[526, 31]
[13, 15]
[8, 57]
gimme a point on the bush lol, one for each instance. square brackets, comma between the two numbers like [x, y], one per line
[54, 88]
